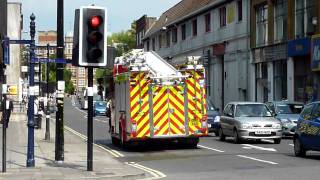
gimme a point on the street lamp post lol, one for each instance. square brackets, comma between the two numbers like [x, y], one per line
[47, 134]
[30, 151]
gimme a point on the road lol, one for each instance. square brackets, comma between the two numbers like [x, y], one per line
[212, 159]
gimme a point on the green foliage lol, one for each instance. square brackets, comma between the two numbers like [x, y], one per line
[67, 74]
[124, 40]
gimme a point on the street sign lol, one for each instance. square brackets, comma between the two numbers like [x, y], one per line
[46, 60]
[20, 41]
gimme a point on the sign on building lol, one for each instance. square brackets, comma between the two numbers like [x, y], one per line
[315, 56]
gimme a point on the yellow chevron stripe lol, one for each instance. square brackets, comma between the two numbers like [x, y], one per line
[135, 109]
[164, 129]
[146, 119]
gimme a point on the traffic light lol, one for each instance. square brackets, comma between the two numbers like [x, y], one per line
[93, 36]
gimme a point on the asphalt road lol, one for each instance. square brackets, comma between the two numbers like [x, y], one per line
[212, 159]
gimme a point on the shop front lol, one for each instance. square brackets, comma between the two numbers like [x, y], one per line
[315, 66]
[299, 52]
[271, 72]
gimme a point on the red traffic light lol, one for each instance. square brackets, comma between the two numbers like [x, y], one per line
[95, 21]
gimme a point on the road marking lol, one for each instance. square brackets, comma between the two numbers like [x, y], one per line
[80, 110]
[212, 149]
[256, 159]
[249, 146]
[109, 150]
[156, 174]
[291, 144]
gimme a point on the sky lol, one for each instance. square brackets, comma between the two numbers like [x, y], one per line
[121, 12]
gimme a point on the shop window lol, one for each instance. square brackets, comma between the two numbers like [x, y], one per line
[160, 41]
[153, 44]
[148, 45]
[280, 20]
[168, 38]
[280, 80]
[262, 25]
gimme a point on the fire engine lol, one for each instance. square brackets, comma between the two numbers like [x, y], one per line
[153, 100]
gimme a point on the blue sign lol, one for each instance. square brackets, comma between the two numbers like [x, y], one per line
[299, 47]
[6, 52]
[21, 41]
[315, 56]
[45, 60]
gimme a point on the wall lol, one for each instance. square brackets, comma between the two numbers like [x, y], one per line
[14, 32]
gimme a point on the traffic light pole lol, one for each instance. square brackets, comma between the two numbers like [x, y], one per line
[30, 152]
[47, 134]
[90, 120]
[59, 143]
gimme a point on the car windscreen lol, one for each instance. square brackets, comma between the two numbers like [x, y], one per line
[252, 110]
[210, 106]
[289, 108]
[100, 104]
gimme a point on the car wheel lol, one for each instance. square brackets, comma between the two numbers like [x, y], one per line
[299, 150]
[277, 141]
[222, 137]
[236, 138]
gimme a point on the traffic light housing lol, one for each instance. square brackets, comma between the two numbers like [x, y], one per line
[93, 36]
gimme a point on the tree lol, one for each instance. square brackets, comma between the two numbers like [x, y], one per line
[124, 41]
[67, 74]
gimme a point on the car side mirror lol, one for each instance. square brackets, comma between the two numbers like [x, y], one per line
[229, 114]
[217, 109]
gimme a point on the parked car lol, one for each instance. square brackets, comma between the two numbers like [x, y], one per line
[307, 135]
[249, 120]
[288, 113]
[213, 118]
[99, 108]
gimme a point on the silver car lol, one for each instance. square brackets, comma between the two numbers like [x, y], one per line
[249, 120]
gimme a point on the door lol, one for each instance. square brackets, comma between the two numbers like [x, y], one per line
[314, 128]
[168, 110]
[304, 125]
[226, 120]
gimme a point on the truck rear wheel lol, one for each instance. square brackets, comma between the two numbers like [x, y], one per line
[189, 142]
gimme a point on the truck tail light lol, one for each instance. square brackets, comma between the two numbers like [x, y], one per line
[134, 129]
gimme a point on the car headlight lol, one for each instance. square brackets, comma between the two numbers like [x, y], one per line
[217, 119]
[246, 126]
[277, 126]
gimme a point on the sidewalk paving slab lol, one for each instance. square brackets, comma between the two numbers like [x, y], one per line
[74, 166]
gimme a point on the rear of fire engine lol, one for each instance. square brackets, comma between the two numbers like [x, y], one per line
[153, 101]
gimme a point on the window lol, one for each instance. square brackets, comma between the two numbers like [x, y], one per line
[194, 27]
[261, 25]
[239, 6]
[305, 12]
[306, 113]
[81, 82]
[183, 31]
[208, 22]
[160, 41]
[153, 44]
[316, 112]
[174, 35]
[223, 17]
[280, 20]
[168, 36]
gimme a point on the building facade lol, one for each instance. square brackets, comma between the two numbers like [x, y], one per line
[14, 28]
[142, 25]
[217, 31]
[281, 35]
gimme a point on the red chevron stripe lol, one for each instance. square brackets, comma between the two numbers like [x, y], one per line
[176, 107]
[178, 118]
[137, 93]
[160, 118]
[162, 126]
[176, 98]
[147, 133]
[176, 125]
[142, 107]
[143, 127]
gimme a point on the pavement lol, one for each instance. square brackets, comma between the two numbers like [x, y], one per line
[105, 166]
